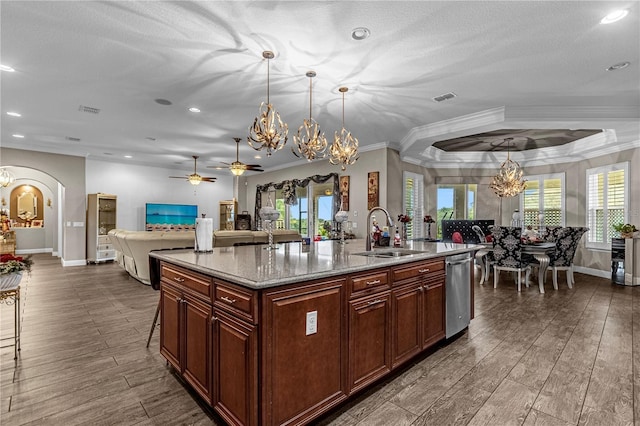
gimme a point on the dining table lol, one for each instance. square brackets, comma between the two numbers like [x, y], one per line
[539, 251]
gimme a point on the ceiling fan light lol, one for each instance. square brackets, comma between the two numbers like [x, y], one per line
[236, 171]
[195, 179]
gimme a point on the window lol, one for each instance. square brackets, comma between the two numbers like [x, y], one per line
[607, 195]
[413, 203]
[456, 201]
[543, 194]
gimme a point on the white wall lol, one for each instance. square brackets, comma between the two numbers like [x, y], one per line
[136, 185]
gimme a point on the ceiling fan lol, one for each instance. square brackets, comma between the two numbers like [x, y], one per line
[195, 178]
[237, 167]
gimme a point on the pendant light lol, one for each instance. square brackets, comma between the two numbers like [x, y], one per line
[344, 150]
[268, 131]
[310, 141]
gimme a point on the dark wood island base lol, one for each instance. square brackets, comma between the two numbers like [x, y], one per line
[285, 355]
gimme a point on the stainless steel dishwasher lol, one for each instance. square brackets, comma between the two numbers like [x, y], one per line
[458, 293]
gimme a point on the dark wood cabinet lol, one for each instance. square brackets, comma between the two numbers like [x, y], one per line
[185, 326]
[418, 308]
[406, 319]
[184, 339]
[304, 351]
[434, 312]
[369, 339]
[235, 369]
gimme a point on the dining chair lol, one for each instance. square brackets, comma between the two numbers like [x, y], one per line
[552, 233]
[562, 257]
[507, 254]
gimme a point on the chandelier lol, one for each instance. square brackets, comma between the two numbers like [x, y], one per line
[268, 130]
[6, 177]
[344, 150]
[310, 140]
[508, 182]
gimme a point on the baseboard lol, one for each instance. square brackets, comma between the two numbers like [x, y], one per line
[34, 251]
[80, 262]
[591, 271]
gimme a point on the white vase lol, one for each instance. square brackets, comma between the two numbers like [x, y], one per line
[10, 281]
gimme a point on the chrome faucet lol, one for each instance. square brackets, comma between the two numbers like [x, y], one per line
[389, 222]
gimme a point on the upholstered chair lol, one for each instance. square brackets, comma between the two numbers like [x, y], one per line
[507, 254]
[562, 258]
[552, 233]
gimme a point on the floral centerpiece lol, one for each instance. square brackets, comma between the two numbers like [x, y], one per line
[10, 264]
[404, 219]
[428, 220]
[11, 269]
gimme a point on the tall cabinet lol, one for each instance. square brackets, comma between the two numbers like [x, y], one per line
[101, 218]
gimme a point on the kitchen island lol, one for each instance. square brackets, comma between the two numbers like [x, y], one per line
[282, 336]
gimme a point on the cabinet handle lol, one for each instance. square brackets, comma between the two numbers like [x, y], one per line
[226, 299]
[214, 319]
[422, 271]
[178, 279]
[374, 302]
[374, 282]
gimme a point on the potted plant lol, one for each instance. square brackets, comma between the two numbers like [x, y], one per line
[626, 230]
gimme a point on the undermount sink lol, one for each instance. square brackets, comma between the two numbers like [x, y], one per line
[397, 252]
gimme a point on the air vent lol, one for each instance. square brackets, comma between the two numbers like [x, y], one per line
[444, 97]
[72, 139]
[90, 110]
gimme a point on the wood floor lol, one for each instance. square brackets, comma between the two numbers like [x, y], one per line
[566, 357]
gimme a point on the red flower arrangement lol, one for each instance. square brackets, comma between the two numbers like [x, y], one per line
[10, 264]
[404, 218]
[428, 219]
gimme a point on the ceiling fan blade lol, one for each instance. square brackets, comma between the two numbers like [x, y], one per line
[208, 179]
[253, 165]
[255, 170]
[222, 162]
[179, 177]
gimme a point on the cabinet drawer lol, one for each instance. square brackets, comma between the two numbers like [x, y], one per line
[374, 281]
[104, 239]
[105, 247]
[424, 269]
[240, 301]
[200, 284]
[106, 254]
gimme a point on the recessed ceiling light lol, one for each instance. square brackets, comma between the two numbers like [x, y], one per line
[18, 136]
[149, 138]
[614, 16]
[257, 157]
[194, 109]
[163, 101]
[618, 66]
[6, 68]
[360, 33]
[14, 114]
[128, 156]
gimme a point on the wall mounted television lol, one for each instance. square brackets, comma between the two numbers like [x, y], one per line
[159, 216]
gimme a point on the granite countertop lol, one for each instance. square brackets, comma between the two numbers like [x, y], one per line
[256, 267]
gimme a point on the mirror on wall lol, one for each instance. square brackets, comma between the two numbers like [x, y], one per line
[306, 205]
[27, 206]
